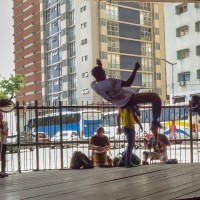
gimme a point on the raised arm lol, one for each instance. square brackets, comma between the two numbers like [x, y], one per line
[119, 122]
[131, 79]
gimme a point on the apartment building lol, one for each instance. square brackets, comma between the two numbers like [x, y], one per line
[74, 33]
[182, 21]
[27, 48]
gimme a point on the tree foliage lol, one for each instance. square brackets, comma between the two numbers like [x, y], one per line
[11, 86]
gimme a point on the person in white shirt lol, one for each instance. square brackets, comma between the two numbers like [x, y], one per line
[114, 92]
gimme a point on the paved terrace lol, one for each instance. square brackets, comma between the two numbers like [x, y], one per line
[156, 181]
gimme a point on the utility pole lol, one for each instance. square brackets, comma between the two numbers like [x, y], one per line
[172, 65]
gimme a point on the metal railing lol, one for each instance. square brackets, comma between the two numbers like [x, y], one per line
[27, 151]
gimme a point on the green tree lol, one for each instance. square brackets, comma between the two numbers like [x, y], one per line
[10, 87]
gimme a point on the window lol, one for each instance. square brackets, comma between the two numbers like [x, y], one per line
[145, 6]
[84, 75]
[198, 50]
[157, 46]
[181, 8]
[198, 73]
[181, 31]
[102, 5]
[102, 22]
[158, 76]
[83, 9]
[72, 64]
[156, 16]
[73, 95]
[157, 61]
[103, 55]
[72, 49]
[83, 25]
[156, 31]
[182, 54]
[83, 41]
[103, 38]
[146, 49]
[113, 61]
[71, 33]
[112, 12]
[113, 28]
[146, 64]
[145, 18]
[197, 5]
[47, 15]
[113, 44]
[147, 80]
[145, 33]
[113, 74]
[185, 76]
[73, 80]
[84, 58]
[85, 91]
[197, 26]
[71, 17]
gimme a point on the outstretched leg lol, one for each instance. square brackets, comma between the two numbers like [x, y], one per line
[152, 98]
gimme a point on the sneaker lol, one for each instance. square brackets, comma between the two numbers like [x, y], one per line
[156, 124]
[4, 174]
[145, 162]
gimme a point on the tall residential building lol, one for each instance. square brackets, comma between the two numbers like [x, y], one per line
[182, 22]
[74, 33]
[27, 48]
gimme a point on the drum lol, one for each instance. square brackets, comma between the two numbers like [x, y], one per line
[99, 158]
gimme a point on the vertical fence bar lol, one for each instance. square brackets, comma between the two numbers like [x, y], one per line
[61, 134]
[18, 138]
[36, 136]
[191, 137]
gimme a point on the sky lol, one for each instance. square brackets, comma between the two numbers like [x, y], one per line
[6, 39]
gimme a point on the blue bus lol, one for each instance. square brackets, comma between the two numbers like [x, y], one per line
[83, 122]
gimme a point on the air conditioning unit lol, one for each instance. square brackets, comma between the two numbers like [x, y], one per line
[182, 83]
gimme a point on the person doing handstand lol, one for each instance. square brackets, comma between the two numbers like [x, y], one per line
[113, 91]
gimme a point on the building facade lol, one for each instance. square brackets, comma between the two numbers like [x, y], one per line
[27, 48]
[74, 33]
[183, 49]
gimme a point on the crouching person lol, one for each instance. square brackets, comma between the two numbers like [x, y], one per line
[100, 145]
[158, 142]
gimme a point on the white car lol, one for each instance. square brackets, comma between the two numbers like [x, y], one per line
[69, 135]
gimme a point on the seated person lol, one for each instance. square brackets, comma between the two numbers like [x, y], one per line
[158, 142]
[100, 144]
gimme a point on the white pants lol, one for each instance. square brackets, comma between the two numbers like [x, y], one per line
[154, 155]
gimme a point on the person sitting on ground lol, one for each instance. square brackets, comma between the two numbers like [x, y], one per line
[128, 127]
[158, 142]
[100, 144]
[112, 90]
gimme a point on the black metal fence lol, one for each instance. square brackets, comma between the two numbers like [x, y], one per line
[45, 137]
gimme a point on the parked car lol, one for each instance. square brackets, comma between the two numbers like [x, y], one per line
[24, 139]
[68, 135]
[42, 138]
